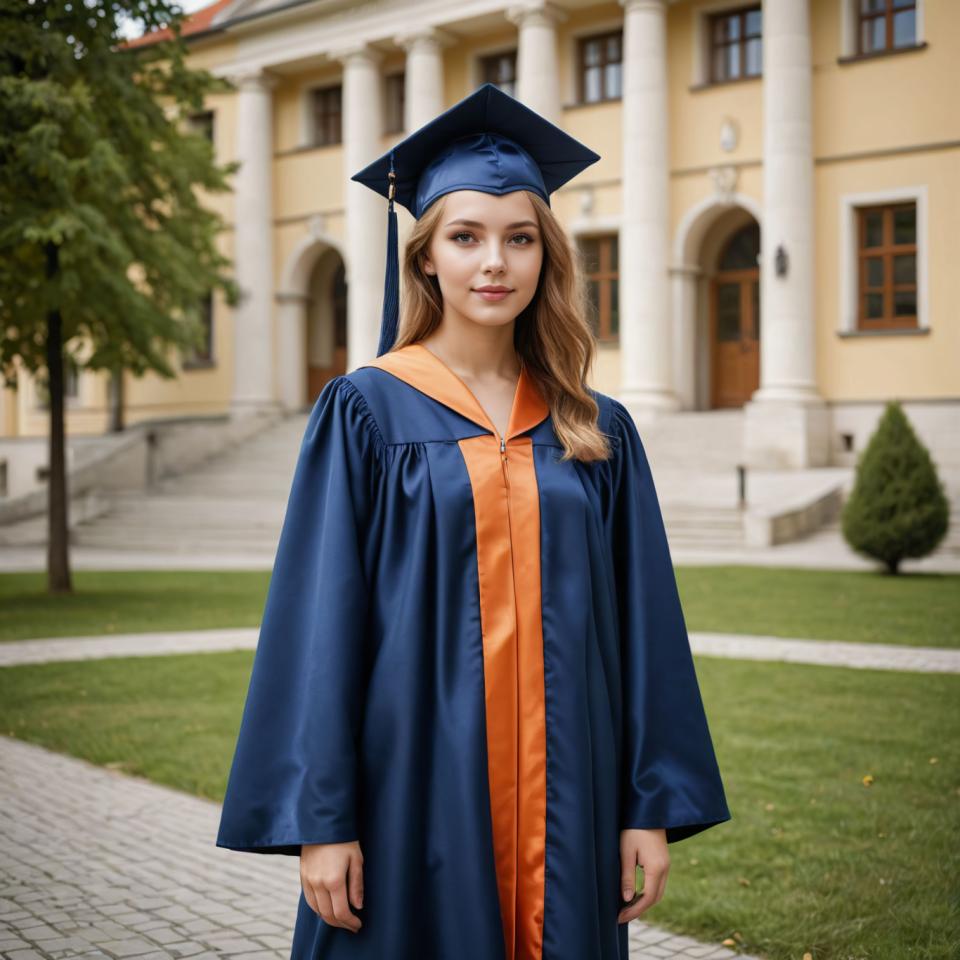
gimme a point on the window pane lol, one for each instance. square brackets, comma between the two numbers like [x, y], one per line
[591, 254]
[873, 232]
[591, 53]
[872, 6]
[904, 29]
[874, 271]
[733, 28]
[905, 225]
[613, 80]
[874, 34]
[905, 303]
[615, 252]
[905, 268]
[718, 65]
[614, 306]
[592, 90]
[754, 65]
[613, 48]
[754, 23]
[733, 61]
[728, 312]
[874, 303]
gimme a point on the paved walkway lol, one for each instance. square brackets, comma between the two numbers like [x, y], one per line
[98, 865]
[867, 656]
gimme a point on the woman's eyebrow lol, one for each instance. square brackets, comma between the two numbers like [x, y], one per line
[510, 226]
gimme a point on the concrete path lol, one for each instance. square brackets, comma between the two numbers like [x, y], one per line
[98, 865]
[867, 656]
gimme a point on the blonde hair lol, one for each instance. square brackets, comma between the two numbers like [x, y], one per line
[552, 334]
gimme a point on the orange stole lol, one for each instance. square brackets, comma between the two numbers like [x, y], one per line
[507, 512]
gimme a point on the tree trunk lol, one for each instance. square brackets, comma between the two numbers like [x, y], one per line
[58, 559]
[116, 401]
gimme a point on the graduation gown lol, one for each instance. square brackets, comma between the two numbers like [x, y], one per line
[473, 660]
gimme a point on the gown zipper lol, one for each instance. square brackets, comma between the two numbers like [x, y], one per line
[513, 570]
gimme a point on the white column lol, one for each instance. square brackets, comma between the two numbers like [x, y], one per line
[291, 319]
[423, 80]
[366, 211]
[538, 77]
[787, 422]
[645, 336]
[253, 374]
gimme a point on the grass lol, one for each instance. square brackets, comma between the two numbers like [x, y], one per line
[817, 858]
[131, 601]
[918, 609]
[911, 609]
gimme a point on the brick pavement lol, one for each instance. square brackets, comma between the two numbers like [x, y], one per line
[97, 865]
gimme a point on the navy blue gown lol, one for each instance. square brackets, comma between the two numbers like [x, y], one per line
[473, 660]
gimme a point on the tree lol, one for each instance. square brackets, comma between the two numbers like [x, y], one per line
[898, 507]
[106, 250]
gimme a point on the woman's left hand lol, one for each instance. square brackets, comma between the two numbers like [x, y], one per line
[649, 849]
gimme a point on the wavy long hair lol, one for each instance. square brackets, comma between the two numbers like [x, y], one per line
[552, 334]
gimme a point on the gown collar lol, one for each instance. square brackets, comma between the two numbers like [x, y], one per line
[423, 369]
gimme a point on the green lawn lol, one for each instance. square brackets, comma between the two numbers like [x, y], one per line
[914, 610]
[815, 858]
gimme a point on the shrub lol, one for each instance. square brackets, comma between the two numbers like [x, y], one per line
[898, 507]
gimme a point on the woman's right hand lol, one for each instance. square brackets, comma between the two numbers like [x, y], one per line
[328, 872]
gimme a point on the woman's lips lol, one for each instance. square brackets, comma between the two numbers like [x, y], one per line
[493, 294]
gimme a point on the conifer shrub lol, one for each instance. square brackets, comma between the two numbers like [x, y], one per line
[898, 507]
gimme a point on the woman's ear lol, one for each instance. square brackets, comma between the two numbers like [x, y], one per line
[428, 267]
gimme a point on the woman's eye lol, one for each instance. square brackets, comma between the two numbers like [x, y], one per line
[517, 236]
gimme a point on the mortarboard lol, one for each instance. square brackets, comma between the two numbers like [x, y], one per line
[490, 142]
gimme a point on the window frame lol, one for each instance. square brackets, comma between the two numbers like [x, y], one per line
[581, 80]
[313, 94]
[712, 20]
[603, 275]
[850, 282]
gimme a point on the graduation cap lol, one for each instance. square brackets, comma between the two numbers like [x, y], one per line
[489, 141]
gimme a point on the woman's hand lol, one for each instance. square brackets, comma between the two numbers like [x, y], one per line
[649, 849]
[328, 871]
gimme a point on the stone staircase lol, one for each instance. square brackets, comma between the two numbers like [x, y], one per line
[232, 504]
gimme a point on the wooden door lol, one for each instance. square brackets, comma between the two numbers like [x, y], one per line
[735, 321]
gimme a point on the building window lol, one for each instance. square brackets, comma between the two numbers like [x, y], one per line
[327, 114]
[395, 85]
[500, 69]
[887, 266]
[600, 262]
[71, 384]
[736, 45]
[202, 356]
[202, 123]
[886, 25]
[600, 67]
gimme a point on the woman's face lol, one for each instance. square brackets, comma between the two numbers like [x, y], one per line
[486, 240]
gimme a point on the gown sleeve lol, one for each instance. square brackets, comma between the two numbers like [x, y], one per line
[293, 779]
[670, 776]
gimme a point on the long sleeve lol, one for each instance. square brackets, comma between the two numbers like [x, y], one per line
[670, 774]
[293, 779]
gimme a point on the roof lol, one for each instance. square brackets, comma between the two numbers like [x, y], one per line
[197, 22]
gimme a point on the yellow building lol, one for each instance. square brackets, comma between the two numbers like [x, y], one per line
[769, 228]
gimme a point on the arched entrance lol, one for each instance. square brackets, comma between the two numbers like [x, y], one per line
[326, 354]
[734, 319]
[312, 317]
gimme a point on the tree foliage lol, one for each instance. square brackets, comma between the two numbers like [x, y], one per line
[101, 177]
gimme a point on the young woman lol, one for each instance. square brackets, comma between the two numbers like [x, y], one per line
[473, 710]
